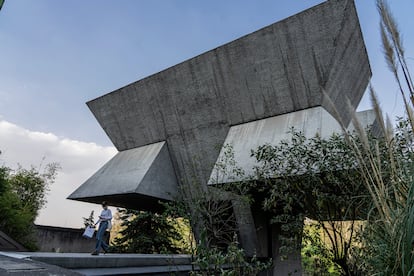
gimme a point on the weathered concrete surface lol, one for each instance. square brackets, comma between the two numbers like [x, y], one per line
[249, 136]
[144, 174]
[59, 239]
[241, 139]
[177, 270]
[21, 266]
[42, 263]
[81, 260]
[281, 68]
[366, 118]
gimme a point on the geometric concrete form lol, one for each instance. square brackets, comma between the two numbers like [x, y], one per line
[278, 75]
[249, 136]
[285, 67]
[366, 118]
[136, 178]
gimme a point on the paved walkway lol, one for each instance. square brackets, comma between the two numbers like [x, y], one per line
[44, 263]
[19, 265]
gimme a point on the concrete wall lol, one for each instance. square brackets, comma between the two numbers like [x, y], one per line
[284, 67]
[65, 240]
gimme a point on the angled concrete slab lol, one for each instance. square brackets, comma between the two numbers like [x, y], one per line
[145, 175]
[244, 138]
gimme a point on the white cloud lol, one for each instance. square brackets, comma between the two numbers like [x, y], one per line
[79, 160]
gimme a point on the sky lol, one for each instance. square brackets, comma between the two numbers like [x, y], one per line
[57, 55]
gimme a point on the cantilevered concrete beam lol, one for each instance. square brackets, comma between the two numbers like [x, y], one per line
[138, 177]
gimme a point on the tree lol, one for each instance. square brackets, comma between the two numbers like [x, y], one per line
[22, 195]
[316, 256]
[89, 221]
[147, 232]
[31, 186]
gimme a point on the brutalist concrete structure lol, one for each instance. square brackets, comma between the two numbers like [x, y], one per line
[169, 127]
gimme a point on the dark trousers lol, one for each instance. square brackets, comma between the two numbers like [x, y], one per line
[100, 239]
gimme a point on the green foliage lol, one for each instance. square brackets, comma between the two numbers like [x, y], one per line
[388, 169]
[147, 232]
[316, 178]
[31, 186]
[387, 240]
[22, 195]
[317, 259]
[210, 213]
[231, 262]
[89, 221]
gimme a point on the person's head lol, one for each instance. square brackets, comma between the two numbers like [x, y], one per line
[104, 205]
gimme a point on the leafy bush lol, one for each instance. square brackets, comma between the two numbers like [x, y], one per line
[22, 195]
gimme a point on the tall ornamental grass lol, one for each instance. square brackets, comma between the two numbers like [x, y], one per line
[389, 234]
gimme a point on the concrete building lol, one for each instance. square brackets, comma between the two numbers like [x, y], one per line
[169, 127]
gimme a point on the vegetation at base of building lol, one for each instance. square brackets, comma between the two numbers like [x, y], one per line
[210, 212]
[316, 178]
[381, 182]
[230, 261]
[317, 259]
[387, 246]
[22, 195]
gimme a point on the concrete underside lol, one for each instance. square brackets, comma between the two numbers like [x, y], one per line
[136, 178]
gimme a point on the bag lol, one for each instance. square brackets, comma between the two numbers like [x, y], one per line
[89, 231]
[109, 227]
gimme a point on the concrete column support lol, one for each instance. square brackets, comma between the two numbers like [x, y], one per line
[291, 266]
[246, 226]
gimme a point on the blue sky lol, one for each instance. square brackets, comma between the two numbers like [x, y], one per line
[56, 55]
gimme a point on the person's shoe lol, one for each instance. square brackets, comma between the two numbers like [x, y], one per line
[95, 253]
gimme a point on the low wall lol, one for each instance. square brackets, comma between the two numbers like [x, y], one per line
[8, 244]
[65, 240]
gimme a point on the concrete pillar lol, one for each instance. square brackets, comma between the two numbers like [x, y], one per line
[245, 226]
[269, 244]
[291, 266]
